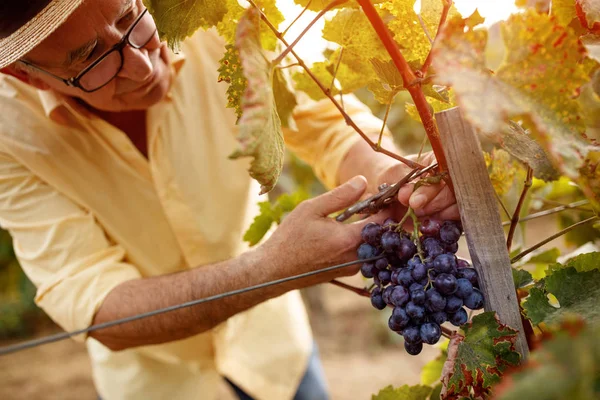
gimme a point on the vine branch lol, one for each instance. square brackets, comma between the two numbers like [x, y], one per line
[575, 205]
[358, 291]
[551, 238]
[297, 18]
[444, 16]
[515, 218]
[347, 117]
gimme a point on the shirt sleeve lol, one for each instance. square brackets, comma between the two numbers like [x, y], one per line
[60, 246]
[323, 138]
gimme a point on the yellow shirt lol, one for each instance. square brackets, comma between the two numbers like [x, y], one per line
[88, 212]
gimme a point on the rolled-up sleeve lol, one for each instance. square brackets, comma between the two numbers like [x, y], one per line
[60, 246]
[323, 138]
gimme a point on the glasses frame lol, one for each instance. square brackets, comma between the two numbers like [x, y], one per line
[119, 46]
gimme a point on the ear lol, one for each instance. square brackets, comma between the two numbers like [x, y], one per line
[25, 76]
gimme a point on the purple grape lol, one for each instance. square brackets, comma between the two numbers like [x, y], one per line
[430, 227]
[390, 241]
[459, 318]
[377, 300]
[469, 274]
[460, 263]
[418, 296]
[415, 286]
[405, 277]
[439, 317]
[385, 295]
[368, 270]
[384, 277]
[394, 277]
[412, 334]
[400, 317]
[413, 349]
[366, 251]
[444, 263]
[451, 248]
[445, 284]
[463, 288]
[393, 325]
[381, 264]
[435, 300]
[419, 272]
[371, 233]
[453, 304]
[432, 247]
[399, 296]
[449, 232]
[475, 300]
[413, 262]
[414, 311]
[388, 224]
[407, 249]
[430, 332]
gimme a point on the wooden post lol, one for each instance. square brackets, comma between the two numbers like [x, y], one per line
[481, 219]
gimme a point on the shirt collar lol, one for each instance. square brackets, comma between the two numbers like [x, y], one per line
[53, 102]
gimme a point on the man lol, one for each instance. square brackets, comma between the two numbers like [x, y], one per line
[116, 187]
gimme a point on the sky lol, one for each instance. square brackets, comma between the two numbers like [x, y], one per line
[311, 46]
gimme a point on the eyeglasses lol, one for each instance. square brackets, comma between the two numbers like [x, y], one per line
[102, 71]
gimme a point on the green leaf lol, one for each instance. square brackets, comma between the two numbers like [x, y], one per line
[405, 392]
[525, 87]
[306, 84]
[284, 99]
[476, 361]
[231, 72]
[261, 224]
[177, 20]
[545, 257]
[522, 278]
[260, 134]
[577, 293]
[584, 262]
[432, 371]
[565, 367]
[287, 202]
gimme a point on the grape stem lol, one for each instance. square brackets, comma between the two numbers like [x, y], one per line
[327, 93]
[415, 234]
[297, 18]
[358, 291]
[575, 205]
[551, 238]
[515, 218]
[447, 333]
[411, 82]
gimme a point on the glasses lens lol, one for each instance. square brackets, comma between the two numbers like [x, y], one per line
[143, 32]
[102, 73]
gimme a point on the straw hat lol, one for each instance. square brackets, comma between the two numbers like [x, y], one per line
[40, 19]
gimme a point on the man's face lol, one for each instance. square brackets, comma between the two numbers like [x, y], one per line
[96, 26]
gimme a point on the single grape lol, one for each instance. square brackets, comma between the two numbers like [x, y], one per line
[388, 224]
[390, 241]
[453, 304]
[451, 248]
[377, 300]
[415, 286]
[393, 325]
[469, 274]
[414, 311]
[412, 334]
[400, 317]
[449, 233]
[435, 300]
[386, 295]
[413, 262]
[382, 264]
[432, 247]
[460, 263]
[418, 296]
[430, 332]
[365, 251]
[413, 348]
[463, 288]
[444, 263]
[459, 318]
[430, 227]
[368, 270]
[407, 249]
[405, 277]
[371, 233]
[439, 317]
[445, 284]
[399, 296]
[419, 272]
[475, 300]
[384, 277]
[394, 276]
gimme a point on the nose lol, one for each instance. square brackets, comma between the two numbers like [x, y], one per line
[136, 64]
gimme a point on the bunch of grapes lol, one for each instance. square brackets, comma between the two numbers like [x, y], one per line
[424, 290]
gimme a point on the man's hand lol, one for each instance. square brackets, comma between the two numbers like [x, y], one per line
[309, 240]
[435, 200]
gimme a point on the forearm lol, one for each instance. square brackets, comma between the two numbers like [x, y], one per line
[143, 295]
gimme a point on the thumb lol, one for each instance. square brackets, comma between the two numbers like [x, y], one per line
[341, 197]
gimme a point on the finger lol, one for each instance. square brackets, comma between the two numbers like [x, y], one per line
[377, 218]
[425, 195]
[341, 197]
[443, 199]
[450, 213]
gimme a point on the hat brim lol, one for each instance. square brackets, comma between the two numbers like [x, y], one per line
[36, 30]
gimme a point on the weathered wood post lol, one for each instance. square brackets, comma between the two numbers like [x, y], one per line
[481, 219]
